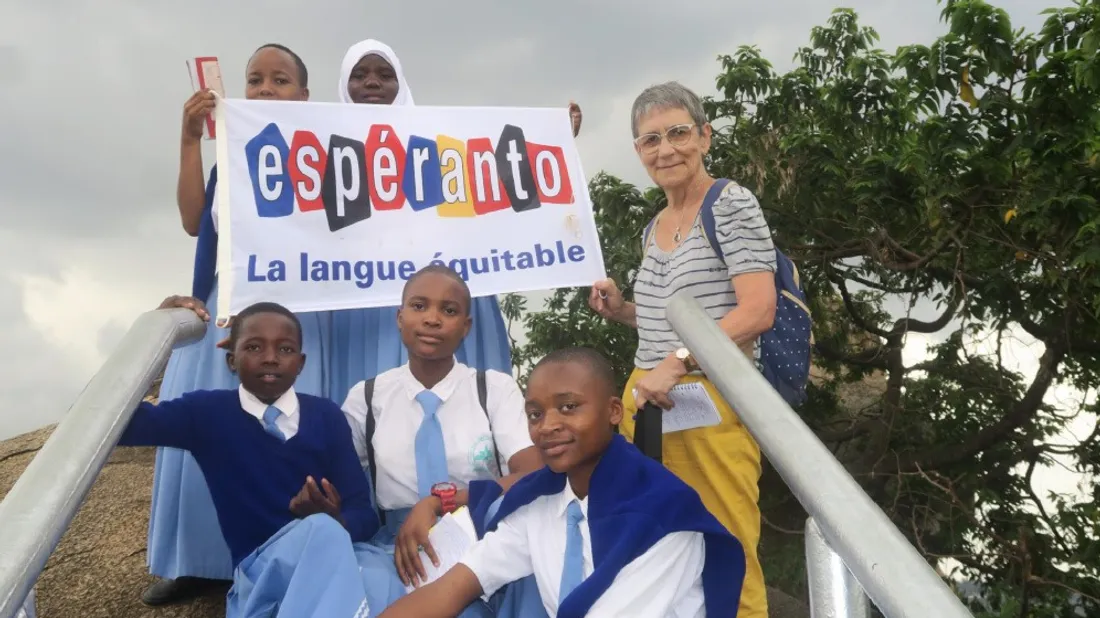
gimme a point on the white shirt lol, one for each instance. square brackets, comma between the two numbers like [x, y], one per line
[664, 582]
[287, 421]
[471, 448]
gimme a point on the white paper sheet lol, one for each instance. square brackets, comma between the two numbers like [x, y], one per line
[692, 408]
[450, 537]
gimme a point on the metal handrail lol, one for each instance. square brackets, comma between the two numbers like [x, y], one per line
[42, 503]
[895, 576]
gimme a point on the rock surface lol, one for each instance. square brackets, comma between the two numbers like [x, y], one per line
[98, 570]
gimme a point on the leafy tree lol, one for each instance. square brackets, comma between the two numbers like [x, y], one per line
[947, 190]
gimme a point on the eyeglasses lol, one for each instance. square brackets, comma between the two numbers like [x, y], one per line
[677, 135]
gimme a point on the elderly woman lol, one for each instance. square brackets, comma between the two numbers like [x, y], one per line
[722, 463]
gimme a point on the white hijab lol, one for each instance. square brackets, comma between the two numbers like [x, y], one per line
[365, 48]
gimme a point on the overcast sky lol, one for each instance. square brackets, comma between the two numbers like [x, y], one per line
[92, 97]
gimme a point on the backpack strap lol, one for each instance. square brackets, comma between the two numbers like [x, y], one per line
[706, 216]
[647, 234]
[368, 429]
[483, 398]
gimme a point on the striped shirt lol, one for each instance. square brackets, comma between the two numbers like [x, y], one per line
[746, 243]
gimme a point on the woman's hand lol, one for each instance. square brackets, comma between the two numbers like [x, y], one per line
[576, 116]
[655, 385]
[606, 299]
[186, 302]
[411, 538]
[195, 111]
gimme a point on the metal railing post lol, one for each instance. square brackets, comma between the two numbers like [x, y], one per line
[29, 608]
[42, 503]
[896, 577]
[834, 591]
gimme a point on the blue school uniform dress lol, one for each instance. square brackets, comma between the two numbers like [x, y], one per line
[625, 526]
[365, 341]
[255, 459]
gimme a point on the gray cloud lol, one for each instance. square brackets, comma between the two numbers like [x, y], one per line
[93, 95]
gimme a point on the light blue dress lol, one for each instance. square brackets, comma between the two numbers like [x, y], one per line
[306, 570]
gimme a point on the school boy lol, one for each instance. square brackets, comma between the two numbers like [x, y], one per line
[285, 482]
[435, 425]
[605, 530]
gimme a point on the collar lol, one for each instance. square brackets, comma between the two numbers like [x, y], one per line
[287, 403]
[444, 389]
[566, 496]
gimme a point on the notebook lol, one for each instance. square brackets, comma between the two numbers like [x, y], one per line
[692, 408]
[450, 537]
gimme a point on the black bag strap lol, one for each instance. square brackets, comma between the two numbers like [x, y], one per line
[483, 398]
[648, 430]
[368, 429]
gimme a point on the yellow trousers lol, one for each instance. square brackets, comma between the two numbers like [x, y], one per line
[722, 464]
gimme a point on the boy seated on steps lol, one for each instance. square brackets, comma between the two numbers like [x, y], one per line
[283, 474]
[605, 530]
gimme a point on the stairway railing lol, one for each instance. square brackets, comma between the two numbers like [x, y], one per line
[848, 535]
[42, 503]
[851, 545]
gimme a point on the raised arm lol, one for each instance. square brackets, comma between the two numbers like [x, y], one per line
[606, 299]
[191, 188]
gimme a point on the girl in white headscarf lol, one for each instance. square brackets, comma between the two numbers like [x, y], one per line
[371, 73]
[366, 343]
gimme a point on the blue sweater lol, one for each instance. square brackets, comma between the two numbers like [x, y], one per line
[251, 475]
[633, 502]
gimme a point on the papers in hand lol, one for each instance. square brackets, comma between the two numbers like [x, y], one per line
[692, 408]
[450, 537]
[206, 74]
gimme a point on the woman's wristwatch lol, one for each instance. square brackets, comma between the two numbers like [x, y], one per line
[684, 356]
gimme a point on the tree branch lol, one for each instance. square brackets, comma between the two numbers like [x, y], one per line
[914, 261]
[1021, 414]
[910, 325]
[872, 358]
[1032, 461]
[850, 306]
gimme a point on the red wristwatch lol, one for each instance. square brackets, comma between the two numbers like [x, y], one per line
[446, 492]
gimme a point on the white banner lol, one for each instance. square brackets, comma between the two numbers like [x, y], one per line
[327, 206]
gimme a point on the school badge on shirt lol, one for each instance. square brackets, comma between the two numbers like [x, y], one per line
[482, 457]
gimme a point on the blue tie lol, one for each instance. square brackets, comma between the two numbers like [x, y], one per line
[431, 455]
[572, 572]
[270, 414]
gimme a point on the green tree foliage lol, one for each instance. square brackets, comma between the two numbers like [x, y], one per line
[949, 190]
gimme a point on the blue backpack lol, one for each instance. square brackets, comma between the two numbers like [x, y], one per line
[785, 348]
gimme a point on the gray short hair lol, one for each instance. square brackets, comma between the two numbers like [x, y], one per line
[669, 95]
